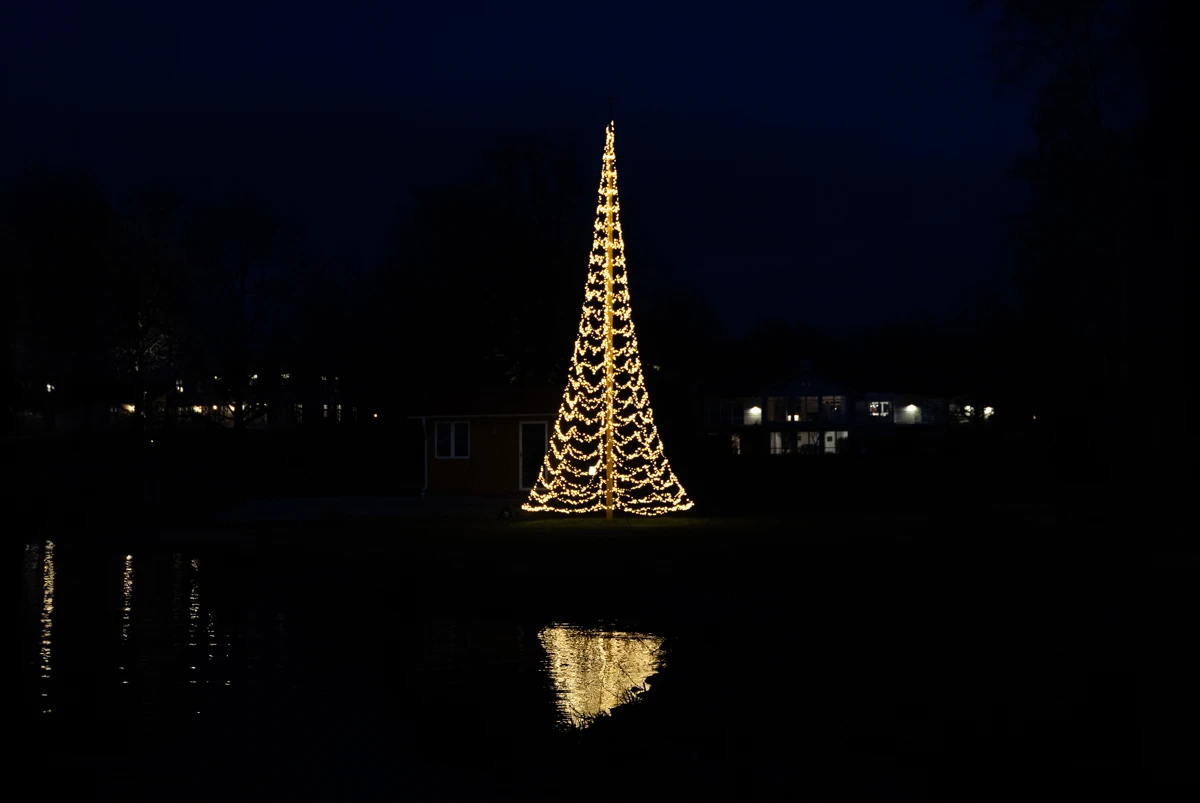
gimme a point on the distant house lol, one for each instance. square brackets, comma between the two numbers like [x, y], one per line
[490, 444]
[815, 415]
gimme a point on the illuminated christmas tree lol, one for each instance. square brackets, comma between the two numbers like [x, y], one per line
[605, 452]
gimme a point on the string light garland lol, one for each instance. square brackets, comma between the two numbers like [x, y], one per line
[605, 451]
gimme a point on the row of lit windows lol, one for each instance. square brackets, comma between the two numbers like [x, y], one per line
[798, 409]
[829, 442]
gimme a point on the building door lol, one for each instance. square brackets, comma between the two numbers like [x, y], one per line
[533, 452]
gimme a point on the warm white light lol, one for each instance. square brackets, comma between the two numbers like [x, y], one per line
[376, 415]
[49, 388]
[912, 408]
[214, 408]
[594, 671]
[129, 408]
[197, 408]
[605, 418]
[755, 411]
[987, 412]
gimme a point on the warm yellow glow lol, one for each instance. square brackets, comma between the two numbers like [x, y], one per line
[987, 412]
[49, 388]
[376, 415]
[194, 604]
[126, 596]
[593, 671]
[129, 408]
[47, 606]
[197, 408]
[214, 408]
[605, 426]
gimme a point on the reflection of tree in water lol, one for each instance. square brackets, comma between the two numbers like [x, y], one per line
[593, 671]
[39, 586]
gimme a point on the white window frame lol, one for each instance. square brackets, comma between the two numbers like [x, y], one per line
[436, 426]
[521, 450]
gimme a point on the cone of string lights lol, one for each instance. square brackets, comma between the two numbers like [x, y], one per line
[605, 452]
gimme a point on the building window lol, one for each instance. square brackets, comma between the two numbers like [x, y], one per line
[298, 408]
[833, 441]
[532, 452]
[881, 409]
[452, 439]
[777, 408]
[752, 414]
[337, 412]
[808, 442]
[179, 386]
[735, 443]
[833, 407]
[324, 409]
[781, 443]
[806, 408]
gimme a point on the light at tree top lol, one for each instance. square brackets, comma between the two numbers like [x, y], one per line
[605, 451]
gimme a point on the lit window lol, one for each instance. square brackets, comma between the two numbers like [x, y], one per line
[735, 443]
[337, 414]
[179, 386]
[452, 439]
[781, 443]
[806, 408]
[753, 415]
[881, 409]
[324, 409]
[298, 409]
[834, 441]
[832, 406]
[808, 442]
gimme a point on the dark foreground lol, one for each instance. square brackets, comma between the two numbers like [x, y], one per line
[967, 656]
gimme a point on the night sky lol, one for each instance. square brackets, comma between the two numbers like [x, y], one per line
[832, 163]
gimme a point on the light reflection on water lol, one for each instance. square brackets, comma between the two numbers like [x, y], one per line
[40, 580]
[126, 596]
[47, 605]
[594, 671]
[221, 651]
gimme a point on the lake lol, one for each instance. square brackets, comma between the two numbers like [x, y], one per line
[368, 662]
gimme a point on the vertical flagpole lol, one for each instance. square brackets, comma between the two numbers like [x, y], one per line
[609, 381]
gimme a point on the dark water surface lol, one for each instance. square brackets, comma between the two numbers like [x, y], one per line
[364, 664]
